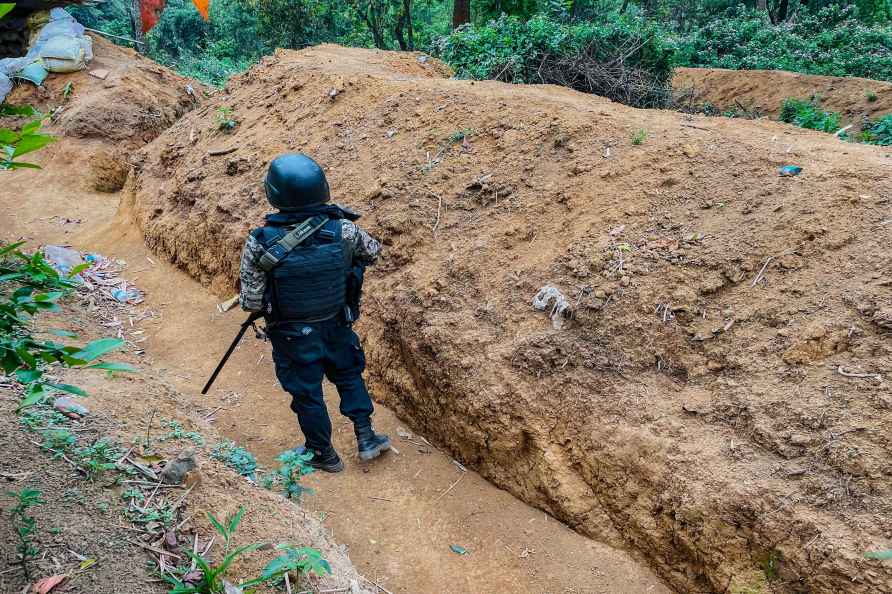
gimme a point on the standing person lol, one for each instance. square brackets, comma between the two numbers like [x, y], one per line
[303, 269]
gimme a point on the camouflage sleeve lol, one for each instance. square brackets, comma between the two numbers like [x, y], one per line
[252, 277]
[366, 248]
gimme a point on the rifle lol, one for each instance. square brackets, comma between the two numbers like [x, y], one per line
[238, 337]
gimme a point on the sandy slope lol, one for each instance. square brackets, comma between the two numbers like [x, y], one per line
[764, 91]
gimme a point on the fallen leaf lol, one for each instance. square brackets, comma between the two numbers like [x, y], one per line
[48, 583]
[87, 563]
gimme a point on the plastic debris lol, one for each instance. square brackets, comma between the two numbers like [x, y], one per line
[63, 259]
[126, 295]
[34, 73]
[790, 170]
[459, 550]
[551, 297]
[69, 407]
[5, 86]
[64, 53]
[59, 46]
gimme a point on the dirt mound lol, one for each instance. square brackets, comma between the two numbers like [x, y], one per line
[711, 402]
[764, 91]
[132, 104]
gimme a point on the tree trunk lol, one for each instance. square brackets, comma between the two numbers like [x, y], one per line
[136, 23]
[461, 13]
[404, 24]
[783, 11]
[373, 20]
[410, 31]
[762, 5]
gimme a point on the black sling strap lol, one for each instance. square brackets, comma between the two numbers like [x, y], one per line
[272, 256]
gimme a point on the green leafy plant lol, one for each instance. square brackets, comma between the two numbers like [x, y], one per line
[828, 40]
[235, 457]
[177, 432]
[878, 132]
[98, 458]
[16, 143]
[225, 120]
[162, 513]
[28, 286]
[6, 8]
[213, 575]
[42, 417]
[25, 525]
[639, 137]
[299, 560]
[67, 90]
[58, 442]
[807, 114]
[294, 465]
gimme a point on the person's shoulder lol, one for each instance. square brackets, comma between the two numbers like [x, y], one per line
[349, 230]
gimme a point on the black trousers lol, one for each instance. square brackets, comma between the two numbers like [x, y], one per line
[303, 354]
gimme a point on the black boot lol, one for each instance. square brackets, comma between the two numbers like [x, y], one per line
[325, 460]
[371, 444]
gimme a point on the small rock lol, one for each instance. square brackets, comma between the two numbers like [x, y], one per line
[600, 294]
[178, 470]
[625, 281]
[715, 365]
[70, 408]
[799, 439]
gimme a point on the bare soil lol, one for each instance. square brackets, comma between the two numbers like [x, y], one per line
[719, 400]
[764, 91]
[397, 517]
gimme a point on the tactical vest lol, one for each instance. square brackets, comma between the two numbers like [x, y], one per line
[310, 283]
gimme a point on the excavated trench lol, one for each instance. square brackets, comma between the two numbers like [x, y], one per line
[693, 408]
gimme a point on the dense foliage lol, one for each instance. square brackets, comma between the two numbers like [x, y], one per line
[807, 114]
[620, 48]
[622, 59]
[831, 41]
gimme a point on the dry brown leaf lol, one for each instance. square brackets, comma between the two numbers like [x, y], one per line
[48, 583]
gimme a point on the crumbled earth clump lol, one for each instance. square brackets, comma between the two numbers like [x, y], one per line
[718, 399]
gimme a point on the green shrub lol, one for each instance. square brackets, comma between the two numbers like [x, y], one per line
[807, 114]
[28, 286]
[622, 59]
[878, 132]
[829, 42]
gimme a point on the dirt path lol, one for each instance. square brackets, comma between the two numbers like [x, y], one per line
[400, 516]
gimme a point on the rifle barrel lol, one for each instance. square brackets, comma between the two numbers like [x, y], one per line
[238, 338]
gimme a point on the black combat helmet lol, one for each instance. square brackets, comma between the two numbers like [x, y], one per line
[295, 181]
